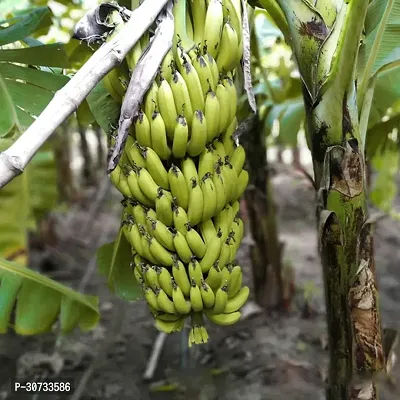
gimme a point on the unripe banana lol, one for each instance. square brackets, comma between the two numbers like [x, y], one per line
[180, 276]
[195, 297]
[133, 56]
[199, 9]
[165, 280]
[223, 99]
[212, 253]
[189, 170]
[219, 148]
[180, 137]
[227, 137]
[167, 65]
[150, 277]
[206, 162]
[209, 195]
[146, 239]
[194, 272]
[151, 298]
[169, 326]
[214, 277]
[180, 219]
[233, 249]
[134, 154]
[193, 84]
[198, 138]
[139, 213]
[196, 203]
[181, 304]
[230, 86]
[223, 221]
[179, 189]
[163, 316]
[150, 102]
[138, 260]
[236, 280]
[147, 185]
[225, 253]
[109, 82]
[223, 319]
[151, 216]
[162, 233]
[235, 208]
[234, 15]
[159, 137]
[182, 248]
[238, 158]
[138, 275]
[166, 104]
[231, 180]
[242, 182]
[164, 303]
[119, 180]
[207, 295]
[156, 168]
[218, 182]
[181, 97]
[228, 56]
[221, 298]
[163, 256]
[204, 73]
[195, 242]
[164, 208]
[212, 114]
[213, 26]
[135, 190]
[213, 66]
[208, 231]
[136, 239]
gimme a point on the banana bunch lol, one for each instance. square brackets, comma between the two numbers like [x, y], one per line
[181, 174]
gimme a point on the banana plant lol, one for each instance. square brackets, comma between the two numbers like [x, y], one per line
[30, 74]
[342, 48]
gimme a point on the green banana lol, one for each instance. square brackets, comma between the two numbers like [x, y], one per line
[166, 104]
[164, 303]
[194, 271]
[134, 154]
[207, 295]
[139, 213]
[182, 305]
[146, 239]
[219, 185]
[163, 206]
[169, 326]
[223, 99]
[181, 96]
[206, 162]
[180, 219]
[242, 182]
[195, 241]
[162, 233]
[150, 277]
[182, 248]
[213, 26]
[156, 168]
[147, 185]
[221, 299]
[230, 86]
[236, 280]
[180, 276]
[195, 297]
[238, 158]
[225, 253]
[119, 180]
[166, 66]
[214, 277]
[224, 319]
[151, 298]
[198, 137]
[189, 170]
[212, 253]
[213, 66]
[136, 239]
[159, 136]
[180, 137]
[227, 137]
[199, 9]
[179, 189]
[165, 280]
[228, 56]
[163, 256]
[209, 195]
[212, 111]
[196, 203]
[204, 72]
[150, 102]
[208, 231]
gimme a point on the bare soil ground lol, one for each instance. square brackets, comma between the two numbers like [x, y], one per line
[265, 357]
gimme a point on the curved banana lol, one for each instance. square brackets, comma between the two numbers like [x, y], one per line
[180, 276]
[166, 105]
[179, 189]
[238, 158]
[163, 256]
[227, 137]
[214, 277]
[136, 239]
[228, 56]
[210, 197]
[142, 129]
[219, 185]
[182, 305]
[208, 231]
[169, 326]
[181, 96]
[207, 295]
[164, 303]
[151, 298]
[219, 152]
[230, 86]
[222, 94]
[120, 181]
[150, 101]
[135, 155]
[180, 137]
[147, 185]
[167, 65]
[236, 280]
[196, 203]
[165, 280]
[206, 162]
[146, 239]
[213, 26]
[234, 11]
[194, 272]
[151, 277]
[199, 9]
[223, 319]
[198, 137]
[212, 253]
[138, 275]
[212, 115]
[180, 219]
[221, 299]
[213, 66]
[231, 180]
[162, 233]
[189, 170]
[182, 248]
[159, 137]
[242, 182]
[195, 242]
[225, 253]
[163, 205]
[204, 72]
[195, 297]
[137, 193]
[139, 213]
[223, 221]
[156, 168]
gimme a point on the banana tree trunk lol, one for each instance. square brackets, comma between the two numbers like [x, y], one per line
[266, 251]
[87, 159]
[325, 39]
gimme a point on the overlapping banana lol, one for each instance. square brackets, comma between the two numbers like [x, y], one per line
[182, 174]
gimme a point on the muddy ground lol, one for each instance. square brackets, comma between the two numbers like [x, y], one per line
[266, 356]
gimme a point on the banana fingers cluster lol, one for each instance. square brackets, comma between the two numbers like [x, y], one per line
[181, 174]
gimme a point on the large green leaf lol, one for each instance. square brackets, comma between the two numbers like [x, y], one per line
[8, 115]
[26, 25]
[40, 301]
[113, 260]
[104, 108]
[50, 55]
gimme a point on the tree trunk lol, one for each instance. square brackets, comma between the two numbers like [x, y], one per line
[266, 251]
[88, 178]
[101, 155]
[345, 237]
